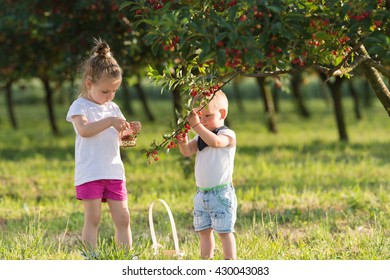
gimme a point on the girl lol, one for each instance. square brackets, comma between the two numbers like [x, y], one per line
[97, 121]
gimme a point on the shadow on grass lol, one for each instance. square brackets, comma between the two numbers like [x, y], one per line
[323, 150]
[49, 153]
[320, 149]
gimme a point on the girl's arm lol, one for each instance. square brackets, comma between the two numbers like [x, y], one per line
[87, 129]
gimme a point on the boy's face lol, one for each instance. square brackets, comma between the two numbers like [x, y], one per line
[211, 118]
[103, 90]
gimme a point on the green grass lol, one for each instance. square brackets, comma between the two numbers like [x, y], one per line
[302, 194]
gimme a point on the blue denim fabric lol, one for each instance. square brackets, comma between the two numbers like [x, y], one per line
[215, 209]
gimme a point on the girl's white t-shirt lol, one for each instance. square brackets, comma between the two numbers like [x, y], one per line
[214, 166]
[97, 157]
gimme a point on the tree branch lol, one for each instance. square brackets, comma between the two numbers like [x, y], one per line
[345, 70]
[268, 74]
[385, 71]
[376, 82]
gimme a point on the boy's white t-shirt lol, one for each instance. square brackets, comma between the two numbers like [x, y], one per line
[97, 157]
[214, 166]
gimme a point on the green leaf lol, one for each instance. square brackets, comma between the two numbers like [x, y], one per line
[233, 36]
[172, 84]
[155, 49]
[125, 4]
[221, 58]
[275, 9]
[189, 103]
[152, 71]
[338, 60]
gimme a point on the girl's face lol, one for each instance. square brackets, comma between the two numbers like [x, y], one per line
[103, 90]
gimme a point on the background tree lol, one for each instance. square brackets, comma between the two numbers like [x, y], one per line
[49, 39]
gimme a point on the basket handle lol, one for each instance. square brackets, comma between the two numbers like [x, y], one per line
[173, 226]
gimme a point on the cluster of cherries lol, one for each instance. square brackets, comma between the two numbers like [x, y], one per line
[208, 92]
[234, 57]
[344, 40]
[156, 5]
[153, 154]
[184, 128]
[223, 5]
[359, 17]
[259, 14]
[171, 46]
[298, 61]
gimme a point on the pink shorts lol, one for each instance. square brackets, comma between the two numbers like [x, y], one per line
[104, 189]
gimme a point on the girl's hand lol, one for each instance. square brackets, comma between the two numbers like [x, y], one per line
[88, 129]
[135, 126]
[120, 124]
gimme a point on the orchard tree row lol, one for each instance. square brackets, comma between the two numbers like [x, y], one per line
[206, 44]
[196, 47]
[48, 40]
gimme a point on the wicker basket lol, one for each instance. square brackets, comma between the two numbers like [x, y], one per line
[129, 141]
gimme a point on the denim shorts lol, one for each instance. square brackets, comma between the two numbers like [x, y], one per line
[216, 209]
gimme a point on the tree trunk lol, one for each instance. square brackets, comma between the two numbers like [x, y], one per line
[176, 98]
[296, 80]
[368, 96]
[10, 104]
[50, 106]
[127, 98]
[335, 90]
[376, 82]
[142, 96]
[379, 87]
[237, 95]
[275, 93]
[268, 105]
[355, 98]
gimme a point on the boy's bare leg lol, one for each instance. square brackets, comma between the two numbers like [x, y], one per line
[207, 243]
[228, 245]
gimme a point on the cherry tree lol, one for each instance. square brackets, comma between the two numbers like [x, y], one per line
[209, 43]
[48, 39]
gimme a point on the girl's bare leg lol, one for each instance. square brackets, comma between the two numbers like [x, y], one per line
[92, 212]
[121, 217]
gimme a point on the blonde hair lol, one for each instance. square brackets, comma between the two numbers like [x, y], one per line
[219, 101]
[100, 63]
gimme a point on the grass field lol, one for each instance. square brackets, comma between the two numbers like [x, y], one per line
[302, 194]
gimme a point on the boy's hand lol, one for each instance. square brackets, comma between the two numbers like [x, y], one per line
[193, 118]
[182, 138]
